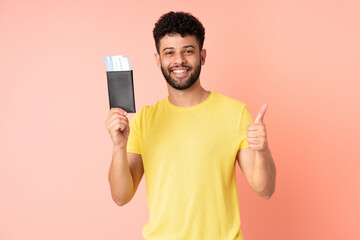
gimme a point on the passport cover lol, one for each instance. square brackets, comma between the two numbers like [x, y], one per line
[121, 90]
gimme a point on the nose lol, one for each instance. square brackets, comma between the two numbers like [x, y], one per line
[179, 58]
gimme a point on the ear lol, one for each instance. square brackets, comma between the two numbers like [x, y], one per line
[203, 56]
[157, 59]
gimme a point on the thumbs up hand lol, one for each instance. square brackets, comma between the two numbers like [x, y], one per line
[256, 134]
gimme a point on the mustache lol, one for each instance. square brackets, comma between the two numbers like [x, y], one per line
[178, 66]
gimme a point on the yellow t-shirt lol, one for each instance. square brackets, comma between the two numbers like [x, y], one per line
[189, 157]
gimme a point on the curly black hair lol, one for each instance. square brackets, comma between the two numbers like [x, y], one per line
[182, 23]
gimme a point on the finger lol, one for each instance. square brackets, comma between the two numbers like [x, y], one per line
[124, 121]
[259, 131]
[252, 140]
[255, 126]
[260, 116]
[115, 115]
[118, 110]
[117, 127]
[252, 134]
[122, 126]
[115, 122]
[113, 126]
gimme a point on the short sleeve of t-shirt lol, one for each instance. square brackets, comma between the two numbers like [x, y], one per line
[245, 120]
[133, 144]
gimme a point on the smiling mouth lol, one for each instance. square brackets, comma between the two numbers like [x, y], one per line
[180, 71]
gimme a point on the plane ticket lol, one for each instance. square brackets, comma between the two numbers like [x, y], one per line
[117, 63]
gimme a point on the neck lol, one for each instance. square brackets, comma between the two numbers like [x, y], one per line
[188, 97]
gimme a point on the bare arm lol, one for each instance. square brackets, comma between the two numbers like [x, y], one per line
[259, 170]
[256, 161]
[126, 169]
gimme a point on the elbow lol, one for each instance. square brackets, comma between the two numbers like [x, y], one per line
[265, 192]
[267, 195]
[120, 202]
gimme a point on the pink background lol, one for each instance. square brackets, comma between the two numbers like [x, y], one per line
[300, 57]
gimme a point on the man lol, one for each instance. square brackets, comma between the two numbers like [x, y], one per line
[188, 145]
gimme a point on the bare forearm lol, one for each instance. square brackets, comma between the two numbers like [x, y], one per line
[120, 178]
[264, 173]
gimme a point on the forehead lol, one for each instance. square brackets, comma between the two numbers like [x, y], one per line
[176, 41]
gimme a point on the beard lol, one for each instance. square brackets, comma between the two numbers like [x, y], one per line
[182, 85]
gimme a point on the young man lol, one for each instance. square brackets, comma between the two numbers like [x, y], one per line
[187, 145]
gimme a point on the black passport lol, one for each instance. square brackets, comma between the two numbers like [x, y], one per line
[121, 90]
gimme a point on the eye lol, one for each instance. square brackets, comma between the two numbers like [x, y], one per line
[169, 53]
[188, 51]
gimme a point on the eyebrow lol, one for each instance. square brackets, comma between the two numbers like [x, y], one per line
[187, 46]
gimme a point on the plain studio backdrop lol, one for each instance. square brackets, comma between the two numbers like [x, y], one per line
[300, 57]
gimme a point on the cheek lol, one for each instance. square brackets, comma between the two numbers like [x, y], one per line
[164, 63]
[165, 66]
[197, 60]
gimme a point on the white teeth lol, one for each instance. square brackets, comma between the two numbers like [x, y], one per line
[179, 71]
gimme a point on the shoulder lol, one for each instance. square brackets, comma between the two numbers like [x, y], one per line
[149, 110]
[228, 102]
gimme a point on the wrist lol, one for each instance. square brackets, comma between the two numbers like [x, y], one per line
[265, 151]
[119, 147]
